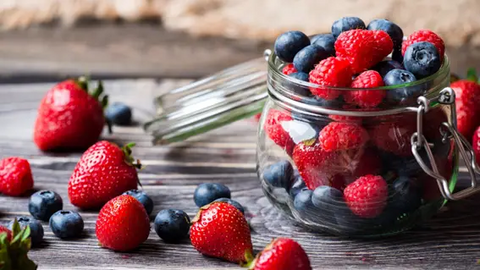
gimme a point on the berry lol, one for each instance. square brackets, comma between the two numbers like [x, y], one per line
[363, 48]
[298, 89]
[467, 119]
[342, 136]
[298, 185]
[318, 101]
[232, 202]
[306, 59]
[397, 55]
[467, 96]
[393, 133]
[274, 130]
[119, 114]
[66, 224]
[208, 192]
[36, 228]
[405, 195]
[385, 66]
[303, 204]
[122, 224]
[289, 44]
[288, 69]
[172, 225]
[5, 230]
[367, 196]
[282, 254]
[143, 198]
[326, 41]
[103, 172]
[69, 116]
[327, 200]
[302, 76]
[331, 72]
[220, 230]
[300, 131]
[422, 59]
[44, 203]
[425, 35]
[476, 144]
[279, 174]
[15, 176]
[366, 98]
[393, 30]
[402, 94]
[368, 163]
[345, 24]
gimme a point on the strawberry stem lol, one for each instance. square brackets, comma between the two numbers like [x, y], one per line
[472, 75]
[249, 260]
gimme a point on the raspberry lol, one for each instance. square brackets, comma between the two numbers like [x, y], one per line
[273, 128]
[342, 136]
[332, 72]
[366, 98]
[289, 69]
[363, 48]
[467, 96]
[367, 196]
[425, 35]
[393, 133]
[476, 144]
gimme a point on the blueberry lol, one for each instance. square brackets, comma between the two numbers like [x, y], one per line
[232, 202]
[36, 228]
[406, 196]
[289, 44]
[119, 114]
[172, 225]
[303, 204]
[298, 89]
[397, 55]
[328, 200]
[208, 192]
[402, 94]
[326, 41]
[422, 59]
[345, 24]
[44, 203]
[393, 30]
[318, 101]
[298, 185]
[385, 66]
[306, 59]
[66, 224]
[142, 197]
[279, 174]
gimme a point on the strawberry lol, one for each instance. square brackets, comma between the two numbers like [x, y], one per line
[7, 232]
[366, 98]
[15, 176]
[467, 96]
[220, 230]
[476, 144]
[331, 72]
[342, 136]
[367, 196]
[289, 69]
[363, 48]
[281, 254]
[69, 116]
[103, 172]
[273, 128]
[425, 35]
[122, 224]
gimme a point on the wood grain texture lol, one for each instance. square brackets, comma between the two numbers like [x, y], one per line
[449, 241]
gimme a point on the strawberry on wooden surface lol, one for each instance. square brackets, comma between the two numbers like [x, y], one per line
[15, 176]
[281, 254]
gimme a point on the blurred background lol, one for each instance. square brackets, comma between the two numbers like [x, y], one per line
[52, 39]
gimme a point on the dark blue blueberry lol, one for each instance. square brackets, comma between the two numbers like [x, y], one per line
[119, 114]
[172, 225]
[406, 195]
[289, 44]
[318, 101]
[295, 87]
[143, 198]
[345, 24]
[303, 204]
[232, 202]
[302, 76]
[405, 166]
[306, 59]
[385, 66]
[36, 228]
[393, 30]
[402, 94]
[279, 174]
[422, 59]
[326, 41]
[44, 203]
[298, 185]
[66, 224]
[397, 55]
[209, 192]
[328, 200]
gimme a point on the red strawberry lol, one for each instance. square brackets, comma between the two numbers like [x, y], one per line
[367, 196]
[467, 97]
[282, 254]
[331, 72]
[6, 231]
[122, 224]
[103, 172]
[69, 116]
[273, 128]
[393, 133]
[366, 98]
[363, 48]
[342, 136]
[476, 144]
[220, 230]
[289, 69]
[424, 35]
[15, 176]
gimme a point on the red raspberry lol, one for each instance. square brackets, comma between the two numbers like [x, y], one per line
[476, 144]
[273, 128]
[467, 96]
[15, 176]
[289, 69]
[332, 72]
[393, 133]
[363, 48]
[367, 196]
[424, 35]
[366, 98]
[342, 136]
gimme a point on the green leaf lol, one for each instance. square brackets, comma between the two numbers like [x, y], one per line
[98, 91]
[104, 102]
[472, 75]
[83, 82]
[26, 233]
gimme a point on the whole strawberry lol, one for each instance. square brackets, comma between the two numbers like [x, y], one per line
[274, 129]
[367, 196]
[331, 72]
[15, 176]
[366, 98]
[220, 230]
[467, 98]
[103, 172]
[282, 254]
[425, 35]
[69, 116]
[122, 224]
[476, 144]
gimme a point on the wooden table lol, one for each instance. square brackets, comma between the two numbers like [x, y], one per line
[449, 241]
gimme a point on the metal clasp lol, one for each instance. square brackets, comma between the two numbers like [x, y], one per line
[418, 141]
